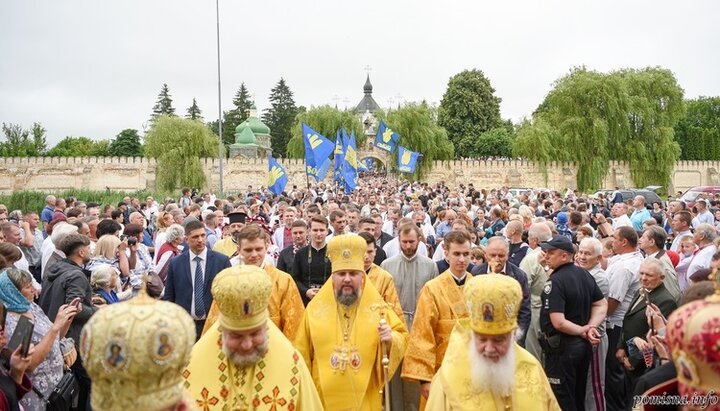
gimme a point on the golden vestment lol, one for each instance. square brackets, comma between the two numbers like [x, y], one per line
[440, 304]
[285, 307]
[279, 381]
[226, 246]
[342, 348]
[451, 388]
[385, 285]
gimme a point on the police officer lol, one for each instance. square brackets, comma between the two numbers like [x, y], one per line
[572, 308]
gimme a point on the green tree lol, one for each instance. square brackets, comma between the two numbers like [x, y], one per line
[419, 133]
[194, 112]
[698, 132]
[102, 148]
[469, 106]
[79, 147]
[126, 143]
[280, 117]
[163, 105]
[591, 118]
[492, 143]
[233, 117]
[178, 145]
[23, 143]
[327, 121]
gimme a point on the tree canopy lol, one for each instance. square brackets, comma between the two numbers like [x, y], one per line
[469, 107]
[419, 133]
[280, 117]
[194, 112]
[23, 143]
[79, 147]
[126, 143]
[325, 120]
[163, 105]
[698, 133]
[178, 145]
[492, 143]
[591, 118]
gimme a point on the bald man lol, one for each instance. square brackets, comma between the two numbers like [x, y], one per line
[518, 249]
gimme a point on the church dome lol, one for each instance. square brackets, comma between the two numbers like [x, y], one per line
[245, 136]
[367, 88]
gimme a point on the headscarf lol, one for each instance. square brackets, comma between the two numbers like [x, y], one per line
[11, 296]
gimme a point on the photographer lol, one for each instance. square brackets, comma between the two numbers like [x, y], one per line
[139, 258]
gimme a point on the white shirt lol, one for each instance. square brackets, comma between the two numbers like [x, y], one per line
[624, 280]
[392, 248]
[193, 264]
[622, 221]
[389, 228]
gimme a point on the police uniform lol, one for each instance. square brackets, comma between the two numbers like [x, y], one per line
[570, 290]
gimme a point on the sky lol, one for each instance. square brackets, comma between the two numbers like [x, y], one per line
[93, 68]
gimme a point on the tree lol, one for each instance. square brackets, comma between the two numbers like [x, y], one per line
[19, 143]
[163, 105]
[194, 112]
[126, 144]
[325, 120]
[591, 118]
[280, 117]
[698, 133]
[492, 143]
[79, 147]
[469, 106]
[178, 145]
[419, 133]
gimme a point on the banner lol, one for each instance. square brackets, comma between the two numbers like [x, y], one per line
[317, 150]
[386, 139]
[277, 177]
[407, 160]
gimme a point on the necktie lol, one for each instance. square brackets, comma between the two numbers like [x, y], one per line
[198, 289]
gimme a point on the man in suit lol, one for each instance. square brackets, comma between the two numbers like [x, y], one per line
[191, 274]
[299, 230]
[635, 323]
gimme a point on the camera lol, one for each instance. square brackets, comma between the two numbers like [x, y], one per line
[132, 241]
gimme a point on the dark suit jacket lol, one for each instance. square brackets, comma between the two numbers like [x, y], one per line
[635, 322]
[286, 258]
[518, 274]
[178, 285]
[384, 239]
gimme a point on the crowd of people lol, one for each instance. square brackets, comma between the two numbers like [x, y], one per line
[402, 296]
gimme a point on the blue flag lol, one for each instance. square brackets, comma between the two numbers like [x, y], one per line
[350, 166]
[407, 160]
[386, 139]
[317, 150]
[340, 144]
[277, 176]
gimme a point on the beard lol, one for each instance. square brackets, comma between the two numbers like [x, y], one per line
[347, 299]
[495, 377]
[250, 359]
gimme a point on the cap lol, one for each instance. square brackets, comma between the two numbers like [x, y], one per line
[493, 301]
[347, 252]
[559, 242]
[134, 353]
[562, 218]
[242, 294]
[237, 217]
[693, 339]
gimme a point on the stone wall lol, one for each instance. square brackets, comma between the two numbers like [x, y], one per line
[133, 173]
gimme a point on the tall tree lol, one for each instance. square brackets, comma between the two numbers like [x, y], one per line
[280, 117]
[126, 143]
[79, 147]
[419, 133]
[163, 105]
[19, 142]
[325, 120]
[492, 143]
[194, 112]
[469, 106]
[178, 145]
[698, 133]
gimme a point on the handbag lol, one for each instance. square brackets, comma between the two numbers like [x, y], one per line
[64, 396]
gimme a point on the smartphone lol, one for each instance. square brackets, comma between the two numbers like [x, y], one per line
[22, 335]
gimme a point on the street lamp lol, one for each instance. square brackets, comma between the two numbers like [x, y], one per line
[220, 119]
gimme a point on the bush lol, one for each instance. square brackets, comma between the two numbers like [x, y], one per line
[35, 200]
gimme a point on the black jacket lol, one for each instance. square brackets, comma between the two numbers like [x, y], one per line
[286, 258]
[64, 281]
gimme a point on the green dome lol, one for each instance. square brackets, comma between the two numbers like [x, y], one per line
[256, 126]
[244, 135]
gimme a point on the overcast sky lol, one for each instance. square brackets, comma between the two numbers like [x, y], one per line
[93, 68]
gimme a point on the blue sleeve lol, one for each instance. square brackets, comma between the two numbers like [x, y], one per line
[525, 312]
[170, 282]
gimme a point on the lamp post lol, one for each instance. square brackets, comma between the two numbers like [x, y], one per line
[220, 119]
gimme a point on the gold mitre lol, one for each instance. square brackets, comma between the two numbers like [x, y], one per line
[135, 352]
[493, 301]
[347, 252]
[242, 294]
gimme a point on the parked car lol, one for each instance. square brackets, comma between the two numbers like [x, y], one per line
[629, 193]
[690, 196]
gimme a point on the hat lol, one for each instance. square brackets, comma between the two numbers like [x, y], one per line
[237, 217]
[559, 242]
[135, 352]
[562, 218]
[694, 342]
[242, 294]
[493, 301]
[347, 252]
